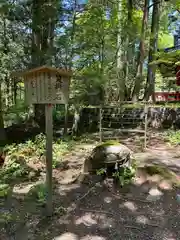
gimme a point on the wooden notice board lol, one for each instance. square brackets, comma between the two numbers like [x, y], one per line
[47, 85]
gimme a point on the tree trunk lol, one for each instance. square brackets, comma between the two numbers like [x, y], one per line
[128, 46]
[150, 84]
[65, 119]
[2, 130]
[76, 121]
[15, 90]
[120, 67]
[44, 17]
[74, 17]
[141, 55]
[39, 109]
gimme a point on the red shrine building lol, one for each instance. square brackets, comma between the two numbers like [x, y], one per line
[171, 70]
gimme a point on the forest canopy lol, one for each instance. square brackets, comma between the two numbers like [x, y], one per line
[114, 48]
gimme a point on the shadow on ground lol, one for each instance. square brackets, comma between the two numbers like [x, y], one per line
[146, 209]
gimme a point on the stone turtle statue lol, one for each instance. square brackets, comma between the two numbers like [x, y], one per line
[109, 155]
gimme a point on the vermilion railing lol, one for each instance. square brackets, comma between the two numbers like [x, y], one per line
[167, 96]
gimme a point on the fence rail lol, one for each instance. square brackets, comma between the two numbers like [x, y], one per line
[115, 120]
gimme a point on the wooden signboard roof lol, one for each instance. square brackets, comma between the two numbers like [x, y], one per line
[30, 72]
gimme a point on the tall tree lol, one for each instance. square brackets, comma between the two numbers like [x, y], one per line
[2, 130]
[128, 48]
[44, 19]
[141, 54]
[150, 84]
[120, 65]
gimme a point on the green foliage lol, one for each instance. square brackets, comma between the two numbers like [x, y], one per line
[101, 171]
[125, 175]
[13, 171]
[173, 137]
[167, 62]
[16, 114]
[4, 190]
[35, 149]
[58, 113]
[6, 217]
[86, 41]
[19, 155]
[165, 40]
[38, 193]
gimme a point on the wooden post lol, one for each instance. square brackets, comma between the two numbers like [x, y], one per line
[47, 85]
[100, 124]
[49, 140]
[145, 126]
[66, 119]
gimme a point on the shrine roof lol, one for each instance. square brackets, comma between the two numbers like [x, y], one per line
[59, 71]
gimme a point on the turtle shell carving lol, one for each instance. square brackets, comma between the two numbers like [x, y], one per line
[106, 155]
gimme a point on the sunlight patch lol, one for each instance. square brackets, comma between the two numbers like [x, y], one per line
[139, 180]
[67, 236]
[107, 199]
[105, 222]
[154, 194]
[86, 219]
[164, 184]
[130, 205]
[24, 189]
[142, 219]
[88, 237]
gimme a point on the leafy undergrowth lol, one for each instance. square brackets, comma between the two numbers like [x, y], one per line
[123, 175]
[31, 149]
[38, 193]
[173, 137]
[164, 172]
[13, 170]
[26, 160]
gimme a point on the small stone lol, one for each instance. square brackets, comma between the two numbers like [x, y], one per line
[86, 219]
[154, 194]
[131, 206]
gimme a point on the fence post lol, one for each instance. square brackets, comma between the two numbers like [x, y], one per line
[100, 124]
[145, 126]
[65, 119]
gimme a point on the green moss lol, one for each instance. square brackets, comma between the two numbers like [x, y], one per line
[108, 143]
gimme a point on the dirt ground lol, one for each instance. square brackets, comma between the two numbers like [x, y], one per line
[147, 209]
